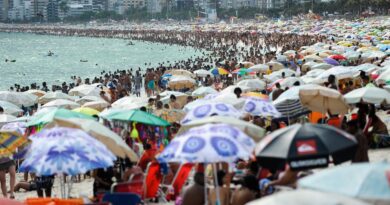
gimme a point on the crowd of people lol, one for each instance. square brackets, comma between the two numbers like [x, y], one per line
[220, 49]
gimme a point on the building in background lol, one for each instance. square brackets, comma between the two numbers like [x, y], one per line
[52, 10]
[79, 9]
[4, 7]
[154, 6]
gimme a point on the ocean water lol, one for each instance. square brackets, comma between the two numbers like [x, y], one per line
[34, 65]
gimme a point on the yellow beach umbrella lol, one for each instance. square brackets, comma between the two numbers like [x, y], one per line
[86, 110]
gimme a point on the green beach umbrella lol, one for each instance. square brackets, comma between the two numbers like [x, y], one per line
[47, 117]
[138, 116]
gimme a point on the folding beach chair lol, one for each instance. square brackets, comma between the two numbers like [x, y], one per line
[179, 180]
[146, 188]
[122, 198]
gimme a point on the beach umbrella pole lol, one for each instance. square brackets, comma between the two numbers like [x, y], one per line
[216, 183]
[205, 184]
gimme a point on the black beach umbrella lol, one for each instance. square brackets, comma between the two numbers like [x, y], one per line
[305, 146]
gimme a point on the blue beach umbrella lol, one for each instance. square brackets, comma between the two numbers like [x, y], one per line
[260, 107]
[210, 109]
[209, 143]
[369, 181]
[65, 151]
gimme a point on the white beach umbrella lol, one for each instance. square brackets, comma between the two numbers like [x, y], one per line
[130, 103]
[366, 67]
[324, 66]
[202, 91]
[85, 90]
[368, 95]
[62, 103]
[202, 73]
[86, 99]
[259, 68]
[230, 89]
[229, 98]
[50, 96]
[275, 65]
[340, 72]
[253, 84]
[19, 99]
[307, 197]
[322, 99]
[278, 74]
[38, 93]
[180, 72]
[181, 81]
[97, 105]
[290, 81]
[4, 118]
[10, 108]
[384, 77]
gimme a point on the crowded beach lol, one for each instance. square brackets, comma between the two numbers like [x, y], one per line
[278, 112]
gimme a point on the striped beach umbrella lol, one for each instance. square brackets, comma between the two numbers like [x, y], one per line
[219, 71]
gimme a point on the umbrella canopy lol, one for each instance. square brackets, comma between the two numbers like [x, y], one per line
[278, 74]
[180, 82]
[62, 103]
[366, 67]
[210, 109]
[219, 71]
[50, 115]
[324, 66]
[65, 151]
[338, 57]
[208, 144]
[255, 95]
[109, 138]
[253, 84]
[259, 68]
[38, 93]
[202, 91]
[368, 95]
[253, 131]
[331, 61]
[86, 99]
[340, 72]
[130, 103]
[11, 137]
[10, 108]
[384, 77]
[50, 96]
[179, 72]
[289, 104]
[19, 99]
[202, 73]
[138, 116]
[306, 197]
[288, 82]
[305, 146]
[314, 58]
[4, 118]
[170, 115]
[97, 105]
[85, 90]
[275, 65]
[260, 107]
[365, 181]
[322, 99]
[87, 111]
